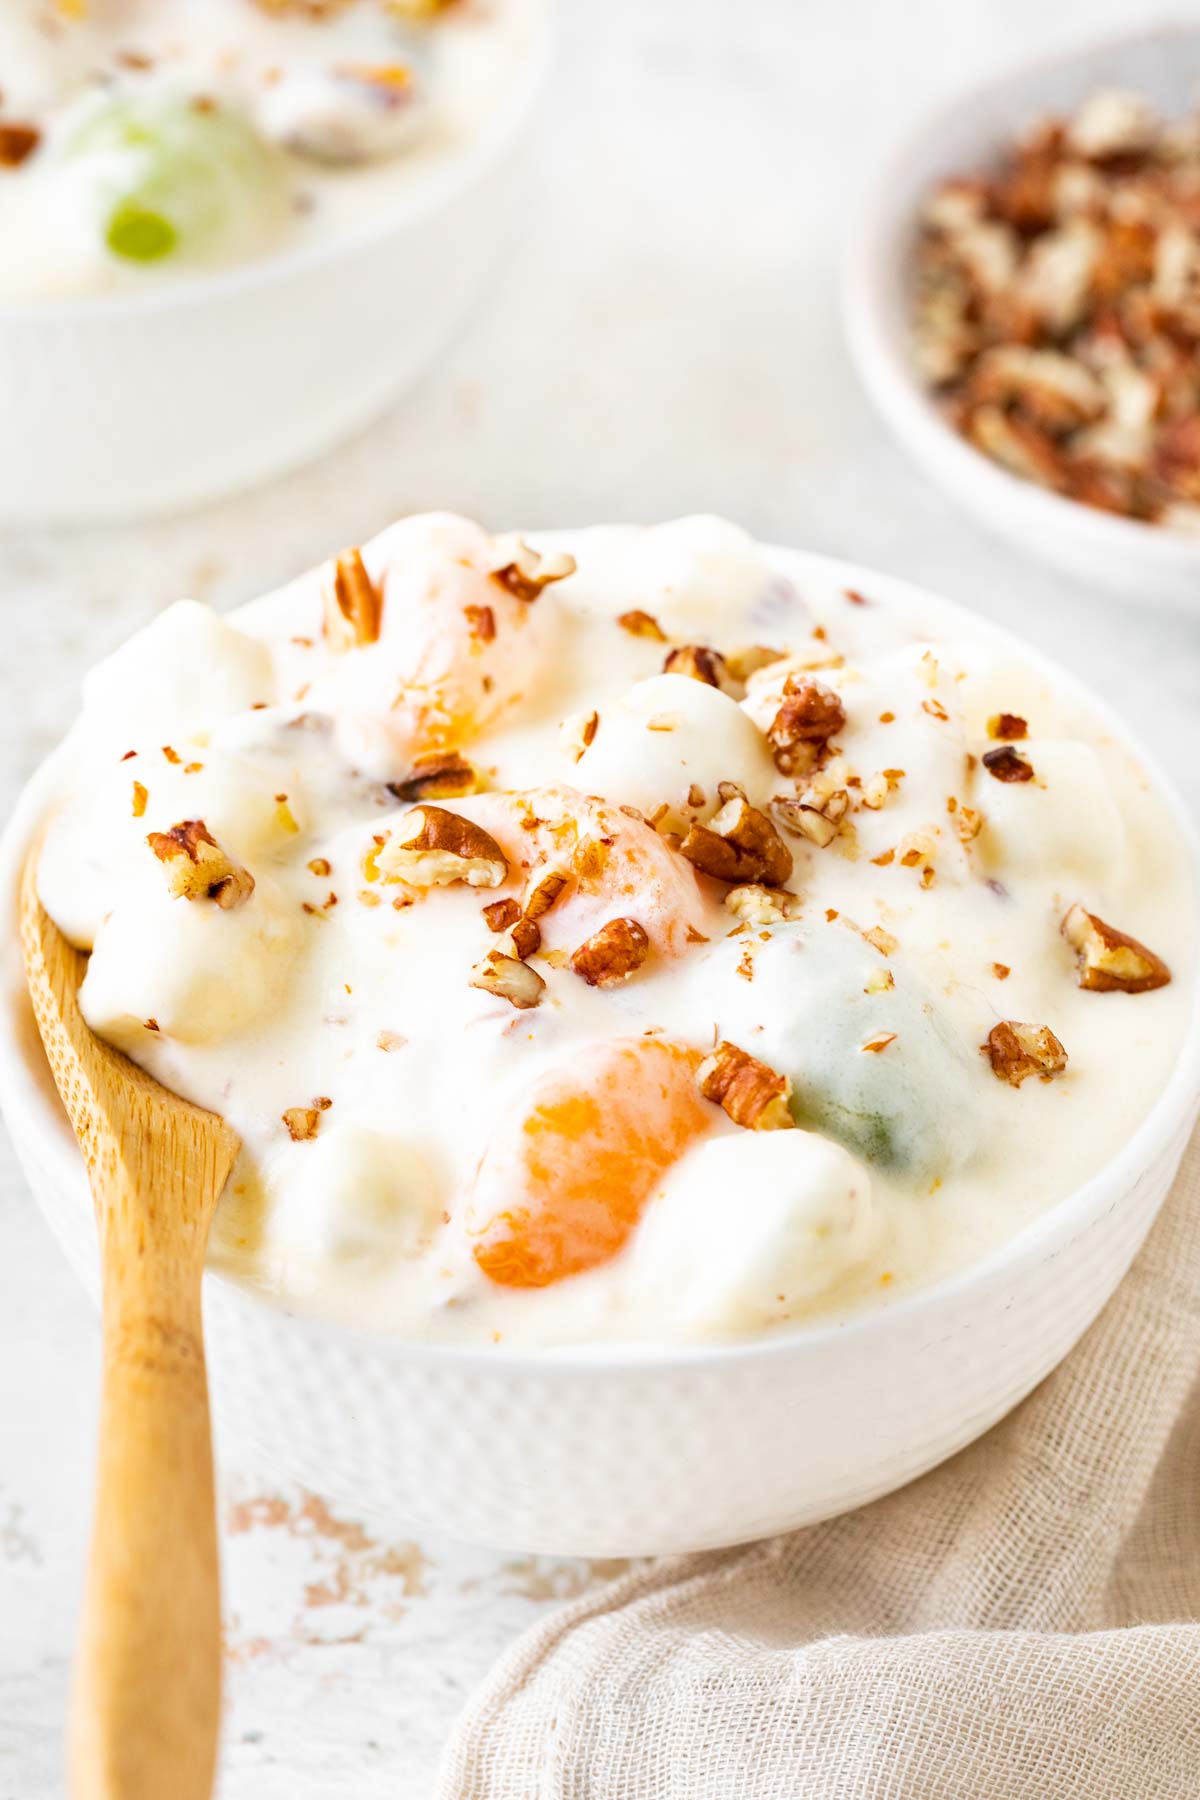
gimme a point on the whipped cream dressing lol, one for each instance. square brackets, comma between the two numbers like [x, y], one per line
[343, 998]
[141, 140]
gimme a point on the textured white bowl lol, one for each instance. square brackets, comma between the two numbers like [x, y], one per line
[126, 405]
[620, 1452]
[1141, 563]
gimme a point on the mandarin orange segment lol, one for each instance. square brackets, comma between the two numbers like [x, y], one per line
[562, 1188]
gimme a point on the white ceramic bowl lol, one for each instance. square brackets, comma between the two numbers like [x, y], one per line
[617, 1452]
[126, 405]
[1140, 562]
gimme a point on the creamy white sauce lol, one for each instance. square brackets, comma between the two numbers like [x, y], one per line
[245, 130]
[913, 1159]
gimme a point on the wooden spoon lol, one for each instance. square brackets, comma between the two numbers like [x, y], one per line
[147, 1695]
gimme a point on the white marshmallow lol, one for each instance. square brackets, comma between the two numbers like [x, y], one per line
[670, 734]
[356, 1194]
[185, 669]
[201, 973]
[750, 1228]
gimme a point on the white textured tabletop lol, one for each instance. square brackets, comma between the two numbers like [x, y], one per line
[665, 340]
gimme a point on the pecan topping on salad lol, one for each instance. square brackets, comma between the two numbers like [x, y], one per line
[739, 844]
[753, 904]
[1107, 959]
[523, 570]
[197, 868]
[509, 979]
[809, 715]
[17, 143]
[431, 847]
[304, 1122]
[612, 954]
[352, 605]
[643, 625]
[1016, 1051]
[699, 663]
[1007, 764]
[753, 1095]
[439, 775]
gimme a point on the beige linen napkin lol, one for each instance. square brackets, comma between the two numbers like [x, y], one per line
[1017, 1625]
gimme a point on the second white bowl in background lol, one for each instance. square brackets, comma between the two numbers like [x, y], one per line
[125, 405]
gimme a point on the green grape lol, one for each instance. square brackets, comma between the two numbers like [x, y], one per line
[140, 235]
[174, 177]
[916, 1109]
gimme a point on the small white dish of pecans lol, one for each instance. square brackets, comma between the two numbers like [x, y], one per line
[1023, 305]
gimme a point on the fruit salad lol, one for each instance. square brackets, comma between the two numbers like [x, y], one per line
[624, 935]
[141, 139]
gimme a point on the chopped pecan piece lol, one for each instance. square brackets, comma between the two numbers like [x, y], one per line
[752, 1094]
[643, 625]
[509, 979]
[304, 1122]
[1007, 725]
[739, 844]
[439, 775]
[1017, 444]
[747, 660]
[520, 918]
[525, 938]
[501, 914]
[1006, 764]
[431, 847]
[197, 868]
[808, 716]
[753, 904]
[523, 570]
[1016, 1050]
[968, 823]
[1109, 960]
[699, 663]
[612, 954]
[17, 143]
[578, 732]
[543, 892]
[352, 605]
[815, 816]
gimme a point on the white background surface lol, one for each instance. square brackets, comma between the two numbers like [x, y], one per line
[664, 339]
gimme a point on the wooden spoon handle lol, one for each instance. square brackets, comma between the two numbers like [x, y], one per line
[146, 1704]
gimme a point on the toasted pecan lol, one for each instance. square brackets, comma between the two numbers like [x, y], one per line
[809, 715]
[612, 954]
[753, 1095]
[1017, 1050]
[524, 571]
[1107, 960]
[739, 844]
[197, 868]
[352, 604]
[432, 847]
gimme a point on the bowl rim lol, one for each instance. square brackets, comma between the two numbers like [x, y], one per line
[876, 318]
[453, 174]
[1173, 1112]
